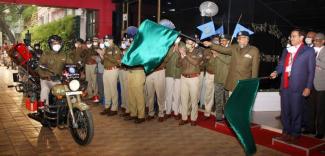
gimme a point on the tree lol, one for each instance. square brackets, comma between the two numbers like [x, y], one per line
[9, 15]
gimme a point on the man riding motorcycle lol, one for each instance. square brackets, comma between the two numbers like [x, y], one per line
[55, 61]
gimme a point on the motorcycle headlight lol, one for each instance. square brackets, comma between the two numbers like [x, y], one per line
[74, 85]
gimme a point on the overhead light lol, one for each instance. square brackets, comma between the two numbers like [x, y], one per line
[172, 10]
[153, 16]
[169, 3]
[163, 12]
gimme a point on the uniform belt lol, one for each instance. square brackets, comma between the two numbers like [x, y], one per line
[91, 62]
[111, 68]
[210, 72]
[191, 75]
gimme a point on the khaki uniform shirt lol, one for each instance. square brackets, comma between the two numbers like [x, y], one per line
[76, 55]
[171, 62]
[89, 56]
[244, 63]
[190, 64]
[112, 57]
[54, 61]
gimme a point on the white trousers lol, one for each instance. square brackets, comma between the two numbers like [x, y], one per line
[173, 100]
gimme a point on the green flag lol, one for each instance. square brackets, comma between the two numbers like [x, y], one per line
[150, 45]
[238, 112]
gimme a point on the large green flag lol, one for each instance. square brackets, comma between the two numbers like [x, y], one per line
[150, 45]
[238, 112]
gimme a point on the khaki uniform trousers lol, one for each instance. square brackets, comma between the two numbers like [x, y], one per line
[92, 88]
[189, 97]
[173, 97]
[209, 93]
[124, 90]
[110, 88]
[46, 86]
[136, 80]
[155, 83]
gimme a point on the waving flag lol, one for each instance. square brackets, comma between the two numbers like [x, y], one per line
[242, 99]
[220, 30]
[207, 30]
[150, 45]
[240, 28]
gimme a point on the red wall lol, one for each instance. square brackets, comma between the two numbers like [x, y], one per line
[105, 9]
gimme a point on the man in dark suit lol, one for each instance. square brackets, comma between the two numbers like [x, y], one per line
[297, 66]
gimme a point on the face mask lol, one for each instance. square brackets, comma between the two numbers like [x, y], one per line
[36, 48]
[56, 47]
[127, 43]
[88, 45]
[102, 46]
[288, 45]
[106, 44]
[241, 46]
[308, 40]
[188, 46]
[215, 42]
[123, 46]
[76, 45]
[95, 43]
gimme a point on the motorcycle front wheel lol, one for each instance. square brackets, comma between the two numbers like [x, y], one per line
[84, 132]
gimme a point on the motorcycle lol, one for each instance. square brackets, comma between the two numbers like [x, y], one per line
[66, 107]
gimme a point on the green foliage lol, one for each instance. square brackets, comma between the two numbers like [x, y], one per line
[62, 27]
[28, 13]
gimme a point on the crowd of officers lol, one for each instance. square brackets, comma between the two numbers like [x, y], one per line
[187, 74]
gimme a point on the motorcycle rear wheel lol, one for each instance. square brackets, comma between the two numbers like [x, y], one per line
[84, 133]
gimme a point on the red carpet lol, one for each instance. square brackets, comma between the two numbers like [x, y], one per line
[264, 137]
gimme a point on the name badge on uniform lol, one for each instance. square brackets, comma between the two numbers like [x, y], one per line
[248, 56]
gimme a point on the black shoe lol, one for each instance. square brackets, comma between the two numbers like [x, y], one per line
[138, 121]
[127, 118]
[112, 113]
[319, 136]
[308, 132]
[150, 117]
[104, 112]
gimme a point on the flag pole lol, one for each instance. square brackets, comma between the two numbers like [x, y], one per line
[235, 27]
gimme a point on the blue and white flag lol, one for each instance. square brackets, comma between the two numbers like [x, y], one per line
[207, 30]
[220, 30]
[240, 28]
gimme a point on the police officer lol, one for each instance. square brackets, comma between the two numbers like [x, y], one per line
[189, 62]
[155, 83]
[112, 61]
[244, 62]
[221, 69]
[77, 52]
[90, 67]
[209, 60]
[173, 81]
[136, 80]
[123, 78]
[37, 50]
[54, 60]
